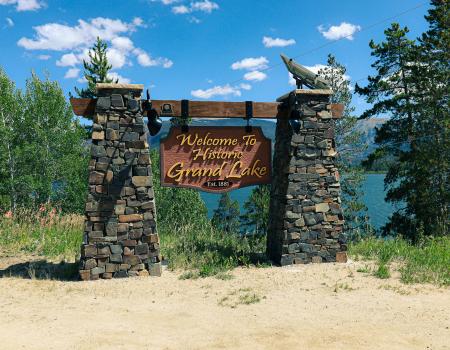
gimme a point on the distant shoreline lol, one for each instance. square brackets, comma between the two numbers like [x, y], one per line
[376, 172]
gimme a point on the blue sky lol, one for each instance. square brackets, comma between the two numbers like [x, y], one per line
[200, 49]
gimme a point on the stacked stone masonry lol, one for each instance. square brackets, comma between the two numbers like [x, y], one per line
[120, 236]
[306, 223]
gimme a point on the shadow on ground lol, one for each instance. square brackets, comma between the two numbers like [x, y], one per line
[42, 269]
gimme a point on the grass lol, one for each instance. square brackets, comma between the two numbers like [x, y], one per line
[242, 296]
[365, 269]
[205, 251]
[202, 251]
[198, 248]
[45, 232]
[428, 262]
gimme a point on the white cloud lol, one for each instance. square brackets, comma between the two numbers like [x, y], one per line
[122, 43]
[59, 37]
[206, 6]
[138, 22]
[291, 80]
[166, 2]
[245, 86]
[115, 75]
[180, 10]
[145, 60]
[44, 57]
[251, 63]
[255, 76]
[24, 5]
[9, 22]
[277, 42]
[79, 39]
[116, 58]
[344, 30]
[315, 69]
[72, 73]
[225, 90]
[68, 60]
[194, 19]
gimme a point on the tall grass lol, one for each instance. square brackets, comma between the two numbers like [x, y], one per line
[208, 251]
[428, 262]
[44, 232]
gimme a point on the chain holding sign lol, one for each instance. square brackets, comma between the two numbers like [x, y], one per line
[215, 159]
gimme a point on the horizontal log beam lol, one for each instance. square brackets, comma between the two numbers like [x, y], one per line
[202, 109]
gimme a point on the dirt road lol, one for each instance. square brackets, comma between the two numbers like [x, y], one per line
[327, 306]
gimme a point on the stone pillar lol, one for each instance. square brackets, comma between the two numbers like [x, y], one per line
[306, 222]
[120, 237]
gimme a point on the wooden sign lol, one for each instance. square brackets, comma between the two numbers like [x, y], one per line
[215, 159]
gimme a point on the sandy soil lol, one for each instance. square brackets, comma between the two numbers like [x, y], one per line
[327, 306]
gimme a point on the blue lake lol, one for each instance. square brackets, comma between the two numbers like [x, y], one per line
[379, 210]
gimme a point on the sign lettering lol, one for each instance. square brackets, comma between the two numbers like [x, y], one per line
[215, 159]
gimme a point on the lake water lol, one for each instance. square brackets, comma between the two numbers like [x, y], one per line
[374, 194]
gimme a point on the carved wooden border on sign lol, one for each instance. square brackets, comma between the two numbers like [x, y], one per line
[215, 159]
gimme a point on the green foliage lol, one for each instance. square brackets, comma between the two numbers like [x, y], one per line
[426, 262]
[208, 251]
[382, 271]
[255, 219]
[96, 70]
[176, 207]
[349, 145]
[45, 232]
[188, 238]
[411, 87]
[226, 216]
[43, 157]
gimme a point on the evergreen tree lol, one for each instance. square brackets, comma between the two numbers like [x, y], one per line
[414, 134]
[96, 70]
[433, 143]
[349, 145]
[256, 216]
[226, 216]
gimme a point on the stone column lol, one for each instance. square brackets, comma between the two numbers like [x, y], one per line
[306, 222]
[120, 237]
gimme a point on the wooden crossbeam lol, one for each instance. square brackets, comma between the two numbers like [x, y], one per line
[202, 109]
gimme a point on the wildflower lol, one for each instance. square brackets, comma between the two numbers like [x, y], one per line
[8, 214]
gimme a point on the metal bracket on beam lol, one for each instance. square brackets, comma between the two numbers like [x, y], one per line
[185, 115]
[248, 115]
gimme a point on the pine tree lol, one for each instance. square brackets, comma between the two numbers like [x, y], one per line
[96, 70]
[256, 216]
[349, 145]
[414, 133]
[434, 147]
[226, 216]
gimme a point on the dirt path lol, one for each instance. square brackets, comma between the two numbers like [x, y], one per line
[325, 306]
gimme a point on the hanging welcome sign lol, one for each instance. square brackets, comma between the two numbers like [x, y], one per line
[215, 159]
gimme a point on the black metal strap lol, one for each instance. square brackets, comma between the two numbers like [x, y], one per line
[248, 115]
[185, 115]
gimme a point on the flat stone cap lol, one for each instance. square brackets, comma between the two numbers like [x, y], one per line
[305, 92]
[127, 87]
